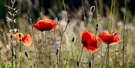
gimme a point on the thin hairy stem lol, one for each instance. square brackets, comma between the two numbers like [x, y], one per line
[80, 57]
[61, 41]
[33, 38]
[103, 57]
[123, 47]
[20, 56]
[73, 54]
[107, 57]
[62, 33]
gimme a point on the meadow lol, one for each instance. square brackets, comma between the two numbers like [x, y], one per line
[24, 43]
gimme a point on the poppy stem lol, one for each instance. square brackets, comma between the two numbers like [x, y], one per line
[61, 41]
[84, 17]
[90, 60]
[45, 47]
[72, 53]
[12, 50]
[107, 58]
[20, 55]
[80, 57]
[55, 47]
[30, 20]
[12, 56]
[103, 58]
[123, 47]
[65, 8]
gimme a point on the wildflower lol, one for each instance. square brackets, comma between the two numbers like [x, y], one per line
[18, 36]
[25, 39]
[108, 38]
[89, 41]
[46, 24]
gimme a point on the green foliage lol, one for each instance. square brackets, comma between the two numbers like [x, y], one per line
[2, 65]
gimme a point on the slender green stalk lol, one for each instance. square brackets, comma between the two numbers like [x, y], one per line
[78, 62]
[103, 58]
[12, 51]
[107, 58]
[90, 60]
[80, 57]
[34, 45]
[62, 33]
[72, 54]
[66, 64]
[83, 11]
[65, 8]
[61, 41]
[15, 50]
[96, 3]
[12, 56]
[44, 33]
[33, 39]
[111, 14]
[20, 55]
[123, 47]
[115, 57]
[55, 47]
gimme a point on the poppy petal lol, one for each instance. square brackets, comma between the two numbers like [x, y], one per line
[105, 33]
[27, 40]
[18, 36]
[89, 41]
[114, 34]
[108, 38]
[116, 40]
[46, 24]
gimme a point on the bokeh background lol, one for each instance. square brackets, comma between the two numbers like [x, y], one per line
[22, 14]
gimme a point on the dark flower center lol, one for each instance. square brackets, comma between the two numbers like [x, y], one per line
[84, 43]
[19, 35]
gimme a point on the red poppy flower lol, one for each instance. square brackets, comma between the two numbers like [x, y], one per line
[46, 24]
[108, 38]
[18, 36]
[89, 41]
[26, 40]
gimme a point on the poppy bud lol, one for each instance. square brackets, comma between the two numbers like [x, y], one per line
[58, 18]
[96, 25]
[11, 36]
[14, 56]
[89, 64]
[73, 39]
[77, 63]
[19, 35]
[26, 54]
[57, 52]
[68, 21]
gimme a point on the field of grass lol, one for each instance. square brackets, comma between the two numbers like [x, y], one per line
[62, 47]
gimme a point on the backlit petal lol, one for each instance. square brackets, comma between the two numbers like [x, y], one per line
[89, 41]
[18, 36]
[45, 25]
[108, 38]
[27, 40]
